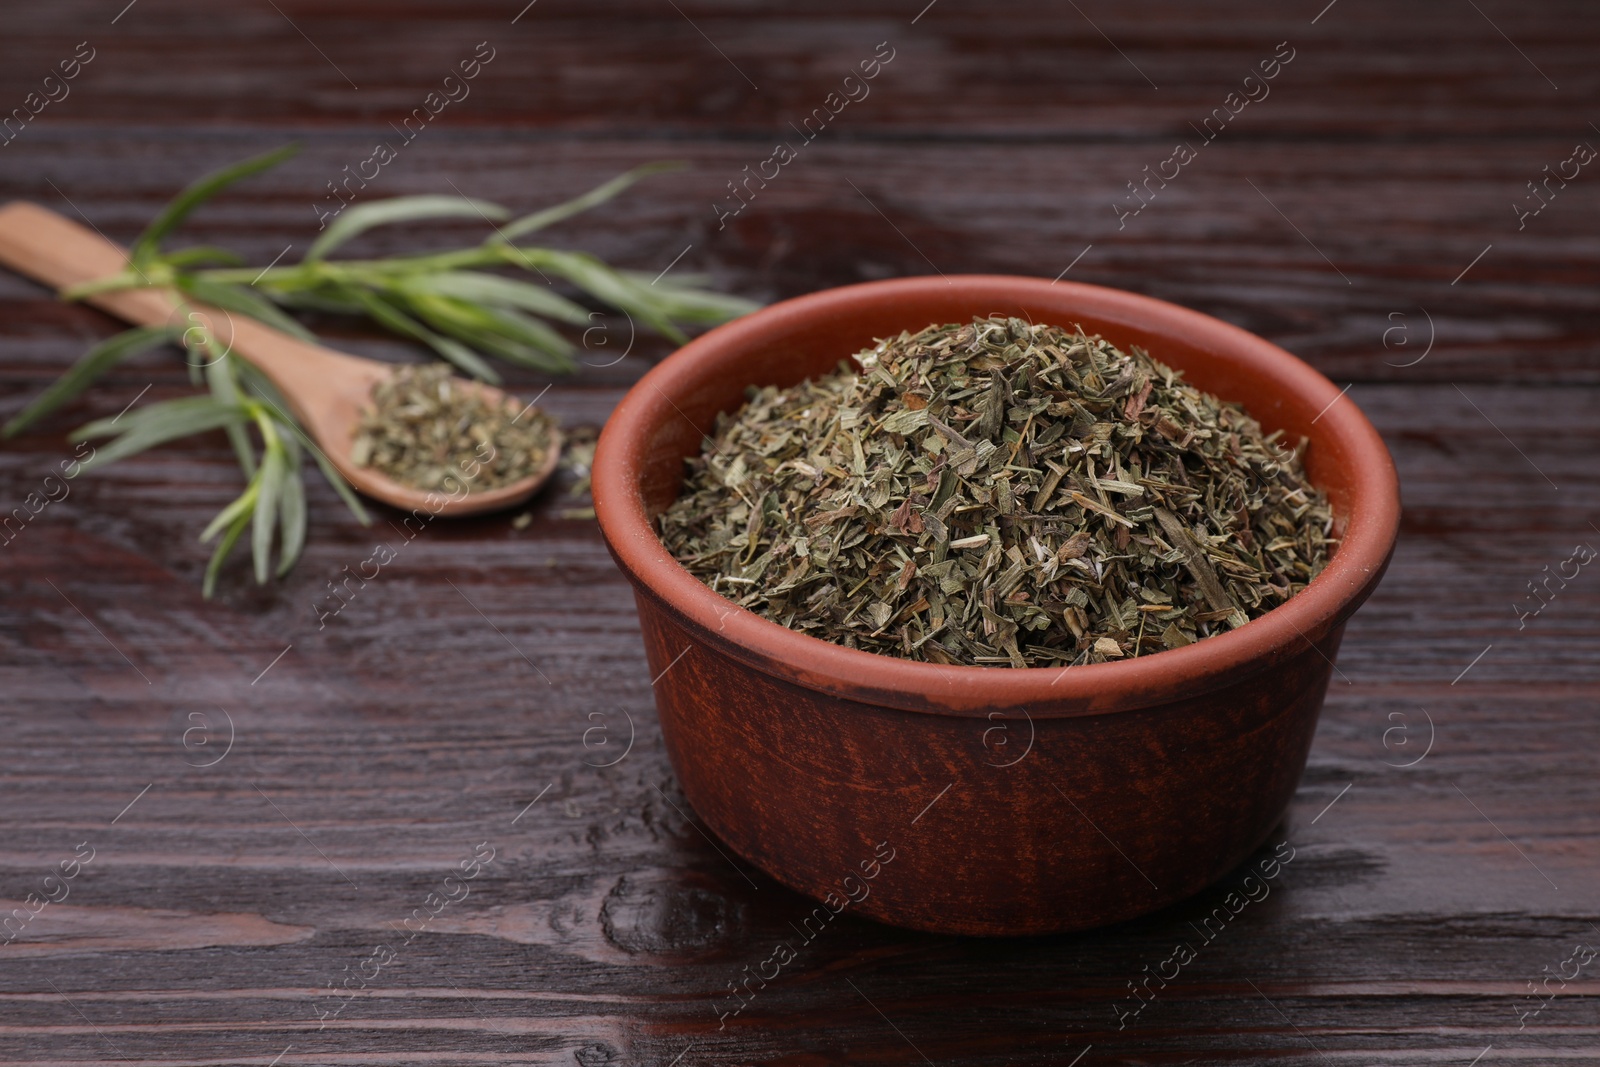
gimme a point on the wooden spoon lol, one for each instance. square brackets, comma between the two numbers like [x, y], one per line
[326, 389]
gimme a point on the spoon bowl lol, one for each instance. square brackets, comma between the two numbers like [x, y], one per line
[326, 390]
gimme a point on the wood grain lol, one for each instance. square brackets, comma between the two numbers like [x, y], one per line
[457, 688]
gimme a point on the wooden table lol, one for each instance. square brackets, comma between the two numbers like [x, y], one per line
[1362, 214]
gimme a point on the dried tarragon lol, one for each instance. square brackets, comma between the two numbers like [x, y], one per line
[429, 429]
[999, 493]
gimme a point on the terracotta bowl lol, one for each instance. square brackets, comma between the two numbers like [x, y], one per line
[985, 800]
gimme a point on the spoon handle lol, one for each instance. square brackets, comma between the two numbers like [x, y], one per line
[42, 245]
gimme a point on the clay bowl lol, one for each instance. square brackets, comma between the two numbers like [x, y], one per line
[981, 800]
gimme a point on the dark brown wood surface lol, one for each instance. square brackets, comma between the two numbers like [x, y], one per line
[464, 695]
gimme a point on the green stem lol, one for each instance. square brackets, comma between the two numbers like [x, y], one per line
[157, 276]
[353, 269]
[266, 422]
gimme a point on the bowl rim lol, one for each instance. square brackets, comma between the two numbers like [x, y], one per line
[1312, 615]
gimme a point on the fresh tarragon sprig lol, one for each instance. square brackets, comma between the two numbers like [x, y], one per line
[450, 301]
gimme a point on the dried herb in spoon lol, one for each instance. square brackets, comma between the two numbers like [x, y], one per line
[432, 430]
[999, 493]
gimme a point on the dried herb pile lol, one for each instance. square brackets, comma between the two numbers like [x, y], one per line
[999, 493]
[432, 430]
